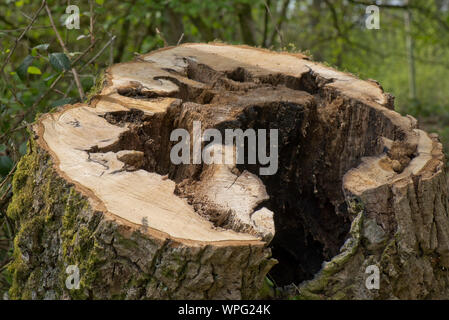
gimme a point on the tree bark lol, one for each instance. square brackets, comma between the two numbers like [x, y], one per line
[124, 33]
[357, 185]
[278, 26]
[173, 27]
[410, 55]
[246, 23]
[206, 31]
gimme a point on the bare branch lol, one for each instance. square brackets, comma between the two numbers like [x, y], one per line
[8, 176]
[162, 37]
[99, 52]
[265, 28]
[180, 39]
[92, 21]
[279, 23]
[64, 48]
[36, 103]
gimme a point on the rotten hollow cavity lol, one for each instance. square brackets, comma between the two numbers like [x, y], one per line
[321, 137]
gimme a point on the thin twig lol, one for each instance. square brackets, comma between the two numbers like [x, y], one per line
[92, 45]
[58, 91]
[5, 264]
[85, 52]
[9, 226]
[5, 196]
[265, 28]
[279, 23]
[12, 88]
[13, 129]
[2, 70]
[64, 48]
[111, 53]
[99, 53]
[162, 37]
[91, 31]
[25, 15]
[44, 3]
[21, 29]
[180, 39]
[8, 176]
[35, 104]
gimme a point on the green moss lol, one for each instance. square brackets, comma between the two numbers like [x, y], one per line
[389, 256]
[126, 242]
[20, 268]
[355, 206]
[168, 273]
[268, 290]
[308, 295]
[97, 87]
[43, 206]
[34, 281]
[39, 114]
[22, 184]
[79, 245]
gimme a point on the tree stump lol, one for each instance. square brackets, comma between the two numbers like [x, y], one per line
[357, 187]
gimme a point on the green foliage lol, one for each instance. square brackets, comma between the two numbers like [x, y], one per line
[22, 70]
[6, 165]
[34, 70]
[59, 61]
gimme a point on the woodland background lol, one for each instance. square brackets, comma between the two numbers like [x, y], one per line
[41, 68]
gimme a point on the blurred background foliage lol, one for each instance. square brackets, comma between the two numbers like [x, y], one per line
[38, 73]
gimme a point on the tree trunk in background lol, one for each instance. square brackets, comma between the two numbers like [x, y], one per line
[358, 186]
[267, 9]
[410, 54]
[173, 26]
[207, 33]
[246, 22]
[278, 26]
[124, 34]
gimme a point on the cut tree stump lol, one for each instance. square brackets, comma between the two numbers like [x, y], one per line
[357, 185]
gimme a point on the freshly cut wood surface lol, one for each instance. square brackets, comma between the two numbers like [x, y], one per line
[134, 196]
[140, 195]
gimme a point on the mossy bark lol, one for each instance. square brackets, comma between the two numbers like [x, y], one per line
[57, 228]
[412, 258]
